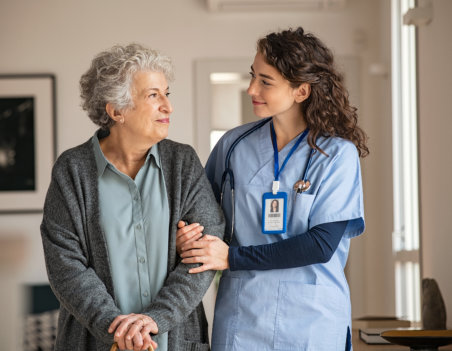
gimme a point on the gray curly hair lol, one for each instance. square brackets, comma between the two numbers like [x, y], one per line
[110, 77]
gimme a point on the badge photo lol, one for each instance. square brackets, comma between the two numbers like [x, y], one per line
[274, 213]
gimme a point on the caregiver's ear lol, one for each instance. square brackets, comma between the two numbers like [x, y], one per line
[302, 92]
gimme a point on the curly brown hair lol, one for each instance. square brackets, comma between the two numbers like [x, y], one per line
[302, 58]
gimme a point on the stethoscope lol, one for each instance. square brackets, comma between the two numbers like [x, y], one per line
[299, 187]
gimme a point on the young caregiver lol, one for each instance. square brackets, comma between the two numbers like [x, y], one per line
[283, 286]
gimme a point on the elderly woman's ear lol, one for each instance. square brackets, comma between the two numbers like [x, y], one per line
[114, 114]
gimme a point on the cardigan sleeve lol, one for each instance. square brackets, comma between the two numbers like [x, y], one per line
[75, 283]
[191, 199]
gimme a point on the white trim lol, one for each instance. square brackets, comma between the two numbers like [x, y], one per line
[405, 164]
[203, 103]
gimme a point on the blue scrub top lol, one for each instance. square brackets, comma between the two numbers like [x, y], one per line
[304, 308]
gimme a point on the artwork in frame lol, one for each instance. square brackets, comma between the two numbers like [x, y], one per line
[27, 140]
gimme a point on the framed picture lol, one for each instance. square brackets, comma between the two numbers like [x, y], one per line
[27, 140]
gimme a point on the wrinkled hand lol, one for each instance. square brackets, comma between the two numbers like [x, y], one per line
[132, 331]
[187, 233]
[210, 250]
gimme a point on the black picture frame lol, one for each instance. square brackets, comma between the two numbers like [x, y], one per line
[27, 140]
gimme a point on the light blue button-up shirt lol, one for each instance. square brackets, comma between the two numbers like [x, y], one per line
[135, 218]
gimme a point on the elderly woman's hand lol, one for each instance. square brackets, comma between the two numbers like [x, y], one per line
[210, 250]
[132, 331]
[187, 233]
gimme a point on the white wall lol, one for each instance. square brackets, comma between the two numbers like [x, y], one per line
[371, 262]
[435, 126]
[226, 105]
[61, 37]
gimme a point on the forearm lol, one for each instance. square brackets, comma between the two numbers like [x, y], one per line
[182, 292]
[317, 245]
[179, 297]
[77, 286]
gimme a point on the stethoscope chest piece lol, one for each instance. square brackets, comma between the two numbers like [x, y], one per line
[301, 186]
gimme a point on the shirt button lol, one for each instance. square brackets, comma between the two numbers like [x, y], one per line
[142, 260]
[145, 294]
[139, 226]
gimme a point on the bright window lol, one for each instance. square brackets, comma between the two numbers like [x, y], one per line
[215, 135]
[405, 164]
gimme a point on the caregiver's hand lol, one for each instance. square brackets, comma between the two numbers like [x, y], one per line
[187, 233]
[210, 250]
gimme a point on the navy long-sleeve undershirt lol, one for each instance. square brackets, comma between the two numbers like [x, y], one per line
[317, 245]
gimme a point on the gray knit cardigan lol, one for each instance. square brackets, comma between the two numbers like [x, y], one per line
[77, 259]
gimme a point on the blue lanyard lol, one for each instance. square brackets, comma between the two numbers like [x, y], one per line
[275, 150]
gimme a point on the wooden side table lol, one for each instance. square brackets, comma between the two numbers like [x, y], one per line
[359, 345]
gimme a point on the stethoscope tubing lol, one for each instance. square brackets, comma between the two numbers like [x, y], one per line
[308, 165]
[228, 171]
[241, 137]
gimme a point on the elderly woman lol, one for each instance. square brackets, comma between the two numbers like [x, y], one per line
[111, 213]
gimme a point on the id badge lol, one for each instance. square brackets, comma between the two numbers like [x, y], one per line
[274, 213]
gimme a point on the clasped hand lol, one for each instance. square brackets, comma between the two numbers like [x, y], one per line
[132, 332]
[194, 247]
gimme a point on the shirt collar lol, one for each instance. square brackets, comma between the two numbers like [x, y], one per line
[102, 162]
[154, 151]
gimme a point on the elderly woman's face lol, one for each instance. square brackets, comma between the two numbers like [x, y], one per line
[149, 118]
